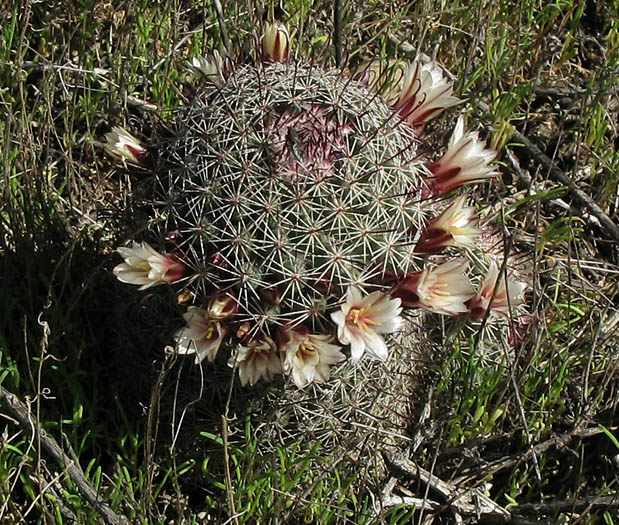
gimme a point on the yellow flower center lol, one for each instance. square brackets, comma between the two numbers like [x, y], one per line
[209, 330]
[361, 318]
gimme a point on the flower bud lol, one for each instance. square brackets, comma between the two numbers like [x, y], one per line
[222, 306]
[276, 42]
[120, 144]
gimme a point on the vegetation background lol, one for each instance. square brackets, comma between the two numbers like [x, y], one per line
[83, 373]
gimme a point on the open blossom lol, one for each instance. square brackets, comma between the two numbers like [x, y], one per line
[201, 336]
[425, 94]
[361, 321]
[121, 144]
[456, 226]
[258, 358]
[147, 267]
[493, 288]
[465, 161]
[307, 356]
[208, 68]
[442, 289]
[276, 42]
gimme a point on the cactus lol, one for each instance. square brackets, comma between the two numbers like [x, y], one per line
[284, 188]
[309, 213]
[313, 187]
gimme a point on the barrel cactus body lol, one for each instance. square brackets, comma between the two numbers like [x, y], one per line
[305, 220]
[286, 186]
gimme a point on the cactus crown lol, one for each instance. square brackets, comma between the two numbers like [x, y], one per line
[286, 186]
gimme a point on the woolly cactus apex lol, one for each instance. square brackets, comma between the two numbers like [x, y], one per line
[302, 213]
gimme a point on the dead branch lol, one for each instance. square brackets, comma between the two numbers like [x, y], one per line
[496, 466]
[222, 26]
[576, 505]
[469, 502]
[536, 154]
[21, 413]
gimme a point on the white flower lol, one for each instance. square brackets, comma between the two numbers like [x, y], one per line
[442, 289]
[308, 356]
[504, 298]
[276, 42]
[465, 161]
[361, 320]
[120, 144]
[425, 94]
[147, 267]
[202, 335]
[257, 359]
[456, 226]
[209, 68]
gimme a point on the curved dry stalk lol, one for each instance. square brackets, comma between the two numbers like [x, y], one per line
[22, 414]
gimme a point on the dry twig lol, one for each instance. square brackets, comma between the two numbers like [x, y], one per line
[469, 502]
[21, 413]
[577, 505]
[536, 154]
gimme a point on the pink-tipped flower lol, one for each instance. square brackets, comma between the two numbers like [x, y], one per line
[201, 336]
[466, 160]
[504, 298]
[222, 306]
[209, 68]
[442, 289]
[307, 356]
[276, 42]
[257, 359]
[361, 321]
[121, 144]
[425, 94]
[146, 267]
[456, 226]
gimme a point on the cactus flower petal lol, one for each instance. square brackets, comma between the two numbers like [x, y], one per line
[307, 357]
[361, 320]
[505, 298]
[442, 289]
[276, 42]
[121, 144]
[209, 68]
[465, 161]
[425, 93]
[201, 336]
[456, 226]
[257, 359]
